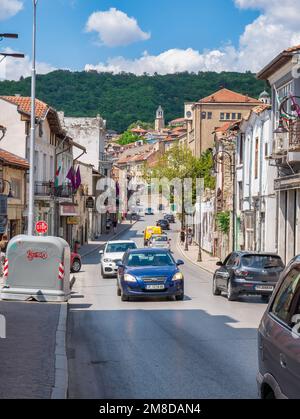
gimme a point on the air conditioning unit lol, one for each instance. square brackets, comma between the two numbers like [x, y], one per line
[188, 111]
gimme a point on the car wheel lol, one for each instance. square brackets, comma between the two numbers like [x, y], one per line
[119, 293]
[179, 297]
[216, 290]
[124, 297]
[76, 266]
[231, 295]
[102, 273]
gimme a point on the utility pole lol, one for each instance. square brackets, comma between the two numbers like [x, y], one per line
[32, 130]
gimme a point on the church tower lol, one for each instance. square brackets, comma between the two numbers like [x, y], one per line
[160, 119]
[265, 98]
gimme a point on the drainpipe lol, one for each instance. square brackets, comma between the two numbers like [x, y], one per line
[260, 189]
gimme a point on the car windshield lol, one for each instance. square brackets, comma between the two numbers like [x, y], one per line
[160, 239]
[119, 247]
[150, 259]
[262, 261]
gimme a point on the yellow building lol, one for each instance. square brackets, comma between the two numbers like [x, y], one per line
[205, 116]
[13, 171]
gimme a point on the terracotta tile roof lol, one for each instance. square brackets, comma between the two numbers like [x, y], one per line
[138, 130]
[261, 108]
[24, 105]
[293, 49]
[228, 96]
[227, 126]
[177, 121]
[13, 159]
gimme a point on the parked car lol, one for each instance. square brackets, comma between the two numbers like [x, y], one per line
[279, 339]
[113, 253]
[149, 211]
[170, 218]
[160, 241]
[75, 262]
[245, 273]
[149, 231]
[164, 224]
[150, 273]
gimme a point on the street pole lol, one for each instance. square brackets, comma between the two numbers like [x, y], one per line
[32, 129]
[200, 232]
[233, 167]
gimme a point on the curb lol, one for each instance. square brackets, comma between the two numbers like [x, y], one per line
[191, 260]
[113, 237]
[60, 389]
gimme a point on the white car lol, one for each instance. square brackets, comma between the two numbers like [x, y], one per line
[160, 241]
[113, 253]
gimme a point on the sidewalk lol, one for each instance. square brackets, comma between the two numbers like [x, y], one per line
[94, 245]
[208, 262]
[28, 354]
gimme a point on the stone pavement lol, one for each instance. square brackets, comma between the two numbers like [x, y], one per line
[208, 262]
[94, 245]
[27, 354]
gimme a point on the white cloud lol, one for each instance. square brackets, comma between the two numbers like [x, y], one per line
[277, 28]
[9, 8]
[115, 28]
[14, 68]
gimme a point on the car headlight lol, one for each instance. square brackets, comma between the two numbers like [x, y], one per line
[129, 278]
[107, 260]
[178, 277]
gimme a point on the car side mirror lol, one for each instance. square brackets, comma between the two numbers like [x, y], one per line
[101, 252]
[180, 262]
[120, 264]
[219, 263]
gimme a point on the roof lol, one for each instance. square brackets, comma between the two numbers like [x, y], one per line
[228, 96]
[178, 121]
[261, 108]
[138, 130]
[24, 105]
[13, 159]
[280, 60]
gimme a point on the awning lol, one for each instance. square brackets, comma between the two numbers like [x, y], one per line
[68, 211]
[287, 183]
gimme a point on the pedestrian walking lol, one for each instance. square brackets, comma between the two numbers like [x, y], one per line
[115, 224]
[182, 236]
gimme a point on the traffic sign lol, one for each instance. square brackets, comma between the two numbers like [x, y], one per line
[41, 227]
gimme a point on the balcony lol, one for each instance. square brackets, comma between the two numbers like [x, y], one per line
[47, 189]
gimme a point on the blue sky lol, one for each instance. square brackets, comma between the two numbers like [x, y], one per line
[205, 34]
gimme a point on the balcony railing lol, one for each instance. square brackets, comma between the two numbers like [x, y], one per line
[50, 190]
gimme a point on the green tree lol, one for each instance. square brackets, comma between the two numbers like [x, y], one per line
[128, 137]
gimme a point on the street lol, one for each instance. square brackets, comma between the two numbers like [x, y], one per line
[203, 347]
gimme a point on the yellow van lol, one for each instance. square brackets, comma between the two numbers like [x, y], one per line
[149, 232]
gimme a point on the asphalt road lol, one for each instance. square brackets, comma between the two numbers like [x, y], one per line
[203, 347]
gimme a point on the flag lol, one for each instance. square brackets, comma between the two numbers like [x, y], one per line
[56, 182]
[71, 177]
[78, 178]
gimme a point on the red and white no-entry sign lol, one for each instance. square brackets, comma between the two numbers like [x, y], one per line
[41, 227]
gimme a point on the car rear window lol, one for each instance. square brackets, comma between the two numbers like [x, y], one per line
[160, 239]
[120, 247]
[262, 261]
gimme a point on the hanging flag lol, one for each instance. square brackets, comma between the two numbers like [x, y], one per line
[78, 178]
[71, 177]
[56, 182]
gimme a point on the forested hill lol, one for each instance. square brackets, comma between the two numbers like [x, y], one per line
[125, 98]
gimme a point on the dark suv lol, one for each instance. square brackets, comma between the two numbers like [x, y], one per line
[279, 339]
[246, 273]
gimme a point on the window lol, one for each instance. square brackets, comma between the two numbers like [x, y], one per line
[287, 301]
[256, 158]
[36, 163]
[230, 260]
[239, 116]
[203, 115]
[45, 167]
[282, 92]
[241, 148]
[51, 167]
[240, 190]
[27, 127]
[40, 129]
[222, 116]
[228, 116]
[16, 188]
[233, 116]
[209, 115]
[266, 150]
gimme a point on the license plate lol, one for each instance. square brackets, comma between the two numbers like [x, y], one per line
[264, 288]
[155, 287]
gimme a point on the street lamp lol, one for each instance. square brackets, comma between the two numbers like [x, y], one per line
[13, 55]
[8, 35]
[32, 129]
